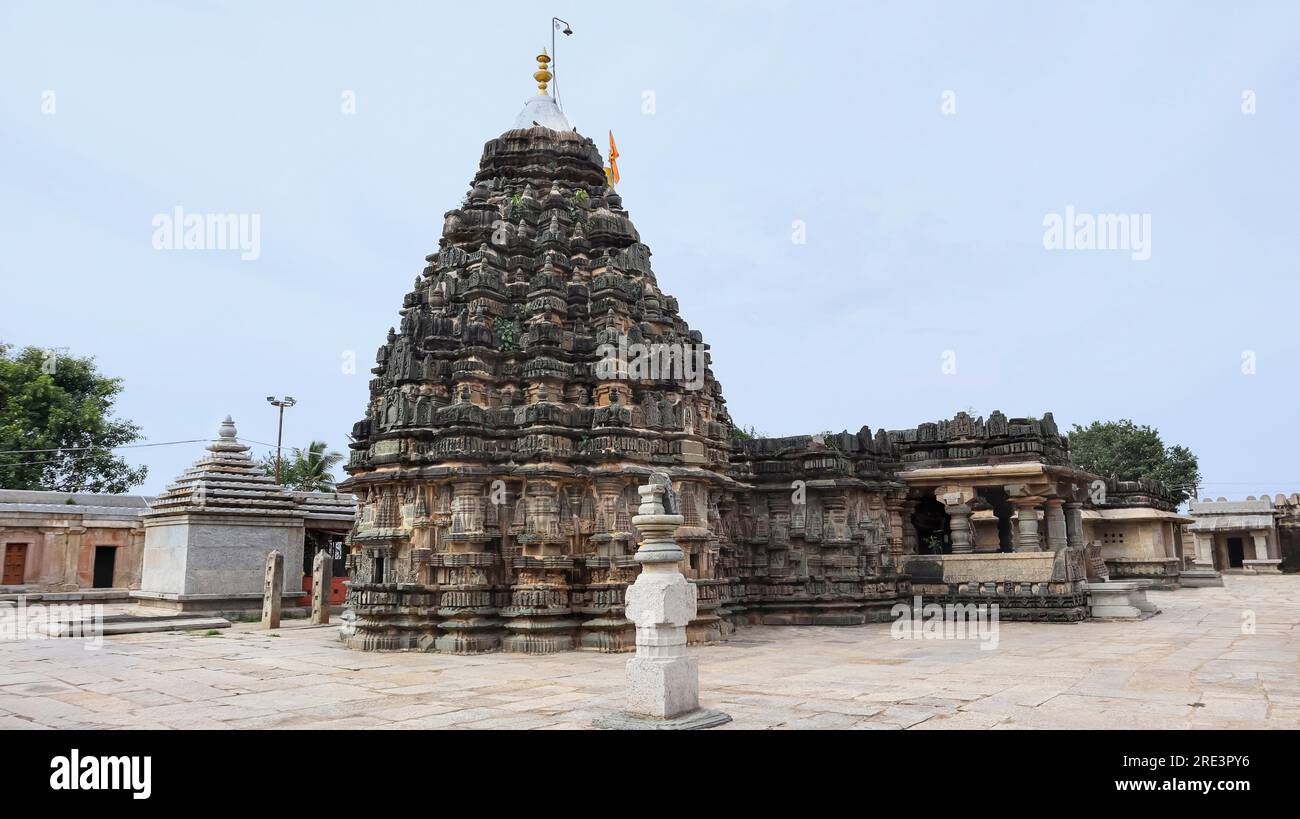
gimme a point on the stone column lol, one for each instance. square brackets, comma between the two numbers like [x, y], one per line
[1074, 525]
[956, 503]
[959, 524]
[322, 567]
[989, 548]
[1261, 545]
[1027, 524]
[71, 538]
[1057, 537]
[1203, 545]
[662, 679]
[272, 590]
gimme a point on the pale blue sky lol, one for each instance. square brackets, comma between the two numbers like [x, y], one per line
[924, 230]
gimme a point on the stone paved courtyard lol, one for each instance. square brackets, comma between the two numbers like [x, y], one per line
[1189, 667]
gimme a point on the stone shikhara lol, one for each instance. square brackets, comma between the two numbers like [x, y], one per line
[493, 380]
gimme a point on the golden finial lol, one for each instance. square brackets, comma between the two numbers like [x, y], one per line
[542, 74]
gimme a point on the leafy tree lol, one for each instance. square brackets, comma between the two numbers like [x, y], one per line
[1125, 451]
[61, 404]
[307, 470]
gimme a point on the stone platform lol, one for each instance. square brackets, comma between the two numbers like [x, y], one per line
[1120, 600]
[1191, 667]
[119, 624]
[694, 721]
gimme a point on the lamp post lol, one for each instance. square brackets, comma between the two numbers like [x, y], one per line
[287, 401]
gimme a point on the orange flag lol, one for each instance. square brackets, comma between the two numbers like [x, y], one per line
[612, 172]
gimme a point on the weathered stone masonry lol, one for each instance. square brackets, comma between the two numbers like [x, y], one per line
[496, 467]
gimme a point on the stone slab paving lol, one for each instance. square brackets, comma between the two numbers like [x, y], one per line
[1190, 667]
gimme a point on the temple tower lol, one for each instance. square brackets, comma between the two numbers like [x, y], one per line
[536, 376]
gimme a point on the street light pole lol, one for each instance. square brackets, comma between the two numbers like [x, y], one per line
[287, 401]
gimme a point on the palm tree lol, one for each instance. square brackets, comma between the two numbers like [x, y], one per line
[307, 470]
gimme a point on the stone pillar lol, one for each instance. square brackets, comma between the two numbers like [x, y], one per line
[1261, 545]
[70, 550]
[1204, 550]
[956, 503]
[1026, 524]
[989, 548]
[963, 534]
[272, 590]
[1057, 537]
[322, 567]
[1074, 525]
[662, 679]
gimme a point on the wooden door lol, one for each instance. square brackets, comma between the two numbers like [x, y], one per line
[15, 564]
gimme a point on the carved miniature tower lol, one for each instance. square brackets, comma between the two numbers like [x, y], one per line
[206, 537]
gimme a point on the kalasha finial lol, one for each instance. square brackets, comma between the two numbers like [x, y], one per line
[543, 73]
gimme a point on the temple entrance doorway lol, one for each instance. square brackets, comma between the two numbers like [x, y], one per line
[105, 558]
[931, 523]
[1236, 552]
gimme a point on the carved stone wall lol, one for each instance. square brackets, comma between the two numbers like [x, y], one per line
[514, 410]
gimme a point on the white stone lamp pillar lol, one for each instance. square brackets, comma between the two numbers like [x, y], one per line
[663, 681]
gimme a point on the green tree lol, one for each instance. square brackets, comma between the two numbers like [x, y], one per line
[1127, 452]
[61, 404]
[307, 470]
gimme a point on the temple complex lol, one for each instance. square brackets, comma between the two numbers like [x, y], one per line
[201, 545]
[1255, 535]
[539, 374]
[206, 537]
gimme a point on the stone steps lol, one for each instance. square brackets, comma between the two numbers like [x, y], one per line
[130, 624]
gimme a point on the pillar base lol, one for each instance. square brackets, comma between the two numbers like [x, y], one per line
[1120, 600]
[693, 721]
[1262, 566]
[662, 687]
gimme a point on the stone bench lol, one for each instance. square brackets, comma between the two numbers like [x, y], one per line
[1120, 600]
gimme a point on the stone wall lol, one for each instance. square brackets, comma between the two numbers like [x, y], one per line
[61, 532]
